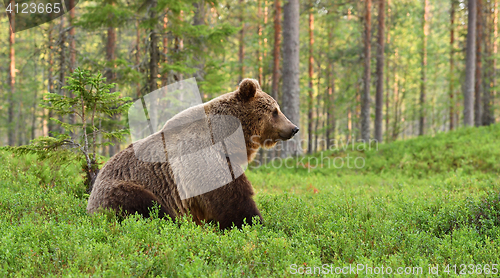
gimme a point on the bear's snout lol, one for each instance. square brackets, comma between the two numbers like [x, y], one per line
[295, 130]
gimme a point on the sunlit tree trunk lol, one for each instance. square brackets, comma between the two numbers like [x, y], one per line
[452, 65]
[72, 39]
[50, 123]
[164, 77]
[379, 97]
[276, 49]
[291, 70]
[259, 48]
[35, 99]
[153, 50]
[388, 87]
[137, 57]
[365, 98]
[12, 80]
[423, 85]
[478, 88]
[487, 118]
[72, 49]
[62, 64]
[330, 97]
[470, 65]
[395, 129]
[241, 51]
[310, 91]
[495, 52]
[110, 74]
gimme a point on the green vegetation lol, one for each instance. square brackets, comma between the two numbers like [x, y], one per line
[420, 202]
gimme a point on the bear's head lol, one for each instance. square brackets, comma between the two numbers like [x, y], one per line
[262, 121]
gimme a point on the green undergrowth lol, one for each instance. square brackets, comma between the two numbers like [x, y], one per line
[417, 203]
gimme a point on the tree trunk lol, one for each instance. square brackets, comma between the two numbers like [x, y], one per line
[72, 40]
[423, 85]
[276, 50]
[291, 67]
[387, 109]
[153, 50]
[50, 123]
[62, 64]
[478, 83]
[259, 48]
[470, 65]
[495, 51]
[488, 70]
[137, 57]
[110, 75]
[379, 98]
[452, 65]
[395, 128]
[365, 100]
[12, 81]
[241, 52]
[310, 91]
[318, 111]
[330, 97]
[164, 77]
[72, 51]
[178, 47]
[35, 98]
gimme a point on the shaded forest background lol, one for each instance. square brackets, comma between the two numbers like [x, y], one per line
[385, 69]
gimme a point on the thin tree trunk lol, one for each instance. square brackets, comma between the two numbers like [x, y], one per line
[276, 49]
[137, 55]
[259, 48]
[379, 98]
[395, 129]
[62, 65]
[478, 83]
[291, 72]
[470, 65]
[164, 77]
[276, 57]
[110, 74]
[153, 50]
[35, 98]
[179, 47]
[12, 80]
[487, 80]
[72, 51]
[452, 65]
[495, 52]
[241, 52]
[330, 97]
[310, 92]
[265, 48]
[387, 109]
[50, 123]
[365, 101]
[423, 85]
[318, 105]
[72, 39]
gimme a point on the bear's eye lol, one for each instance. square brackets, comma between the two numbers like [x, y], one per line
[275, 112]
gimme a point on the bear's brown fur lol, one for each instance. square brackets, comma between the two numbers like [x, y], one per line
[128, 185]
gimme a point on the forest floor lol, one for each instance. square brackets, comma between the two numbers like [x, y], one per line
[428, 205]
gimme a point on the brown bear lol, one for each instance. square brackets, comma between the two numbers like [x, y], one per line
[127, 184]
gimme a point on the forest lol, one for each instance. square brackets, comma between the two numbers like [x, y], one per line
[387, 70]
[403, 93]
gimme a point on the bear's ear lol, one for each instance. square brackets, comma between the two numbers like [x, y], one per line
[247, 89]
